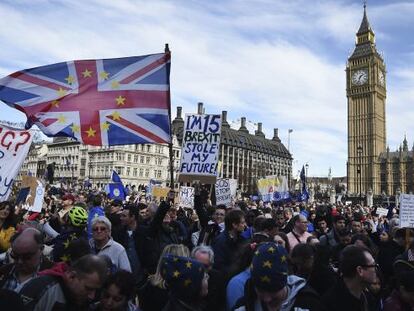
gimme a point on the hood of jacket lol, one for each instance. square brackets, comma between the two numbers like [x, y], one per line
[57, 270]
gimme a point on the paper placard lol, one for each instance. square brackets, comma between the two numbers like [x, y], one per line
[187, 197]
[382, 211]
[223, 192]
[14, 146]
[201, 146]
[406, 211]
[160, 192]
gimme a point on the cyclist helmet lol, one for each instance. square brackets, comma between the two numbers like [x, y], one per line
[78, 216]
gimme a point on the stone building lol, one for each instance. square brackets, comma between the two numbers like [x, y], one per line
[371, 166]
[245, 156]
[74, 163]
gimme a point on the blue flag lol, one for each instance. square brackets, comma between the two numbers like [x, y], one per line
[117, 180]
[116, 191]
[304, 192]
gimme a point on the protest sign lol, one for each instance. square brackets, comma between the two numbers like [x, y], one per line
[187, 197]
[160, 192]
[382, 211]
[223, 192]
[406, 211]
[14, 146]
[273, 187]
[233, 187]
[34, 199]
[201, 146]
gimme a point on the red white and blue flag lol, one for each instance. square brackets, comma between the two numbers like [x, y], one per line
[98, 102]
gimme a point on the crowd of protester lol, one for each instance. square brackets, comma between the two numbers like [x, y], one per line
[84, 251]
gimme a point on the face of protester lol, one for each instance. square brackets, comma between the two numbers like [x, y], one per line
[301, 225]
[375, 287]
[125, 218]
[67, 202]
[279, 241]
[203, 258]
[345, 240]
[272, 300]
[340, 224]
[26, 254]
[287, 214]
[82, 287]
[115, 209]
[173, 214]
[113, 300]
[384, 237]
[5, 212]
[241, 226]
[144, 213]
[322, 225]
[368, 272]
[280, 220]
[219, 215]
[100, 232]
[356, 227]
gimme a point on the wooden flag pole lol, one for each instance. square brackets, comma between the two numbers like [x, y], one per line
[170, 145]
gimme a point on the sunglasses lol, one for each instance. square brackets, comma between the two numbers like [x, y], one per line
[98, 229]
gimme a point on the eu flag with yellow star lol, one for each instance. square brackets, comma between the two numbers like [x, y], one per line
[98, 102]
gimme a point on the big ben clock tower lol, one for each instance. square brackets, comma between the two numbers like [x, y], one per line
[366, 93]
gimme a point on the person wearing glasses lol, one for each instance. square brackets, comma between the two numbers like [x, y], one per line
[102, 244]
[26, 252]
[358, 270]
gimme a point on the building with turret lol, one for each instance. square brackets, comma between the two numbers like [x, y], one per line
[371, 166]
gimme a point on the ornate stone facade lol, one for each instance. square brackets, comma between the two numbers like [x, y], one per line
[366, 93]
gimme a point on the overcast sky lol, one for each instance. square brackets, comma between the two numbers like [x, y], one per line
[278, 62]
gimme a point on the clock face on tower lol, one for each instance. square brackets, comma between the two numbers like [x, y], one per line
[359, 77]
[381, 78]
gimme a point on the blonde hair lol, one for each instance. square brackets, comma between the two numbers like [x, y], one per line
[171, 249]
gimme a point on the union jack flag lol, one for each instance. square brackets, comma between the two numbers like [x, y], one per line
[98, 102]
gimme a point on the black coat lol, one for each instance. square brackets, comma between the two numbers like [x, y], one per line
[153, 238]
[339, 298]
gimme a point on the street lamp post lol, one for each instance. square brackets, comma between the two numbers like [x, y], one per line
[289, 131]
[359, 172]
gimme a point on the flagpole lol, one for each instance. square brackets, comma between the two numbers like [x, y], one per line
[170, 145]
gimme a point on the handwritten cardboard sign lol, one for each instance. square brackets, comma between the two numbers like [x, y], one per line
[201, 146]
[187, 197]
[14, 146]
[406, 211]
[223, 192]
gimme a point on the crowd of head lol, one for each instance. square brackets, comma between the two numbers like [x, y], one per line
[84, 251]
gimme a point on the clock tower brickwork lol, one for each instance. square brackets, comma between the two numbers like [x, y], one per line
[366, 94]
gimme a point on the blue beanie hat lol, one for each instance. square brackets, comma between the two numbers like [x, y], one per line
[269, 267]
[183, 275]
